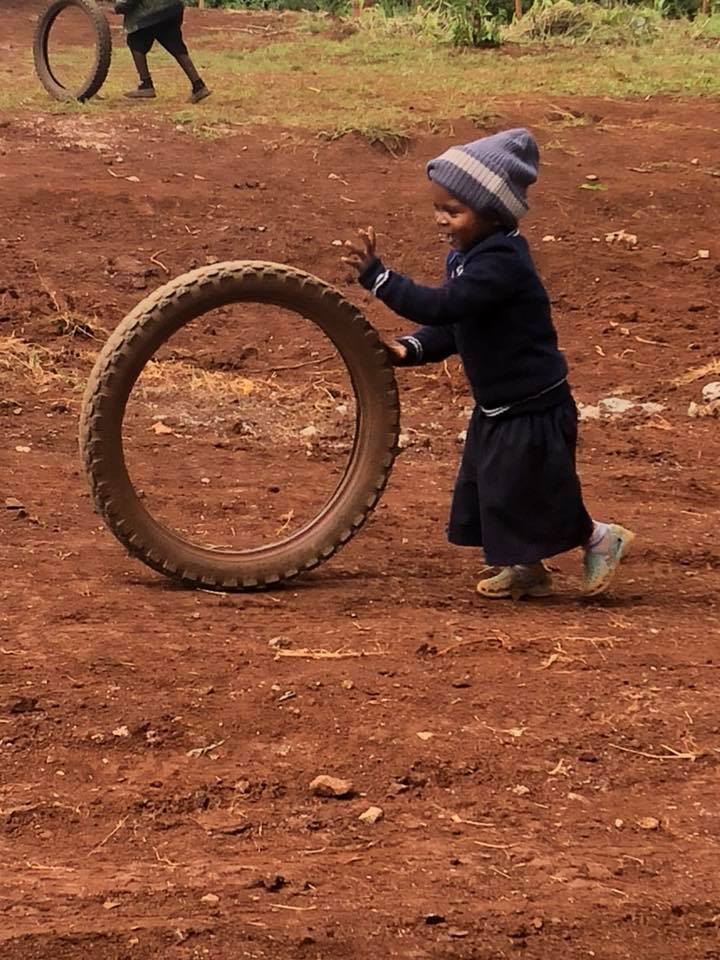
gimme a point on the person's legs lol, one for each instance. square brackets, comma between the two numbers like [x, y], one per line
[530, 498]
[169, 35]
[140, 44]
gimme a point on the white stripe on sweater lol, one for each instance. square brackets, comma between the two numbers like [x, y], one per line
[379, 281]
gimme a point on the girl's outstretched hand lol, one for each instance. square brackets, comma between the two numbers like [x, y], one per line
[361, 254]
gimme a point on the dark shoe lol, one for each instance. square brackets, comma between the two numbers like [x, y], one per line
[141, 93]
[197, 95]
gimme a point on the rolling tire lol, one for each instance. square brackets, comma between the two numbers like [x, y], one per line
[136, 340]
[103, 50]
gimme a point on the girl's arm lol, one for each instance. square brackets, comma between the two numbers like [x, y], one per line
[426, 345]
[486, 281]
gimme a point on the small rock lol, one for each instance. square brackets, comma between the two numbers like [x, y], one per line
[279, 643]
[273, 883]
[521, 790]
[12, 503]
[710, 392]
[616, 405]
[703, 254]
[619, 824]
[462, 436]
[126, 264]
[704, 409]
[325, 786]
[591, 178]
[424, 735]
[210, 898]
[347, 684]
[587, 757]
[457, 933]
[596, 871]
[648, 823]
[310, 431]
[111, 904]
[433, 919]
[372, 815]
[24, 705]
[629, 240]
[121, 731]
[588, 411]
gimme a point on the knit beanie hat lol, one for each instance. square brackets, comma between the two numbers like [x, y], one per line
[490, 174]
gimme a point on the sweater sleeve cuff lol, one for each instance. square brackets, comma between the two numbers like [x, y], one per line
[374, 276]
[414, 348]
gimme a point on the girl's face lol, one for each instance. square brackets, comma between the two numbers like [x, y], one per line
[462, 226]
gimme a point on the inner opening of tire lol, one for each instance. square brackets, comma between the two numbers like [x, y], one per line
[70, 45]
[239, 430]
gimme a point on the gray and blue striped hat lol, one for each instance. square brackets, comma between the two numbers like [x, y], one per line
[490, 174]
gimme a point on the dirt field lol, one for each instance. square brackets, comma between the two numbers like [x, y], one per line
[548, 771]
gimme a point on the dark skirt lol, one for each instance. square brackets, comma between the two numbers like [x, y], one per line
[517, 493]
[168, 34]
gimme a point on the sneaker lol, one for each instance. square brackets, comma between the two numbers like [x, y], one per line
[197, 95]
[601, 562]
[517, 582]
[141, 93]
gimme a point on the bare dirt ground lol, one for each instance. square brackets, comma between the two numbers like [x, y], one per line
[548, 771]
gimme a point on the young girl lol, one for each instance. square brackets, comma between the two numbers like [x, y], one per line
[517, 494]
[147, 21]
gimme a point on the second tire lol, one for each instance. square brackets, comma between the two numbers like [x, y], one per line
[97, 76]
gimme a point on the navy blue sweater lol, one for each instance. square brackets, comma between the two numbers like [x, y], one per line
[492, 310]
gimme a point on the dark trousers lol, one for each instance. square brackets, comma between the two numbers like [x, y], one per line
[168, 34]
[517, 493]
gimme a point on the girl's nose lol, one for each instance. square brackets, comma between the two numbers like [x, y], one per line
[441, 219]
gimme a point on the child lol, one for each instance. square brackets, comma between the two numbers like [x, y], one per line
[517, 494]
[147, 21]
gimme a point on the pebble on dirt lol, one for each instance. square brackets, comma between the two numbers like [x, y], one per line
[372, 815]
[711, 392]
[24, 705]
[210, 898]
[325, 786]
